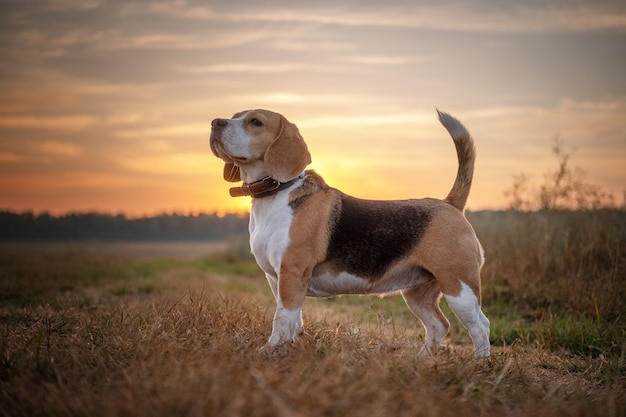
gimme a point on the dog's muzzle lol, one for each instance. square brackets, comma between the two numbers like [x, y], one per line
[218, 124]
[215, 141]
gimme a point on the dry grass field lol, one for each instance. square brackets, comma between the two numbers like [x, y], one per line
[90, 329]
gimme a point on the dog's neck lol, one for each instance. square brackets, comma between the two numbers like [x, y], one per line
[264, 187]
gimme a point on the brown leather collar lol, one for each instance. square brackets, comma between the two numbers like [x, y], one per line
[264, 187]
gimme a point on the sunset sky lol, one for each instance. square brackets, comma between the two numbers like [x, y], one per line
[106, 105]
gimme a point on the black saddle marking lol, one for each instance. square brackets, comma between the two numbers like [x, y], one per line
[368, 236]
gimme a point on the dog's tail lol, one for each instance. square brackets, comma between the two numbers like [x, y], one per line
[466, 154]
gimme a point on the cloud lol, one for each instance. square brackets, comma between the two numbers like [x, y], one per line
[57, 148]
[387, 60]
[71, 179]
[182, 129]
[304, 43]
[409, 120]
[9, 158]
[69, 123]
[250, 67]
[169, 164]
[478, 16]
[69, 5]
[285, 97]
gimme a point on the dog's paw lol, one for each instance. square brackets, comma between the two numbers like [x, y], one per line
[429, 352]
[275, 350]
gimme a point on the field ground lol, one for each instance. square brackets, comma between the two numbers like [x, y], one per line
[175, 329]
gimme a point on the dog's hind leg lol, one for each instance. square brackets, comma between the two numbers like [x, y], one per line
[466, 307]
[423, 301]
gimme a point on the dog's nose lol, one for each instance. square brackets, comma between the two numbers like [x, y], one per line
[219, 123]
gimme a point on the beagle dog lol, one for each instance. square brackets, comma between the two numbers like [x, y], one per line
[313, 240]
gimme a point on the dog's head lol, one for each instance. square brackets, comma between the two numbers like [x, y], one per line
[259, 143]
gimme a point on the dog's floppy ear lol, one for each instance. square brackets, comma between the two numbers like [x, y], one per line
[288, 155]
[231, 172]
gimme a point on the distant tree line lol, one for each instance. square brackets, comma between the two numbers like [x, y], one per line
[97, 226]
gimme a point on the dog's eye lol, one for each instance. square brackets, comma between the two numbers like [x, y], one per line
[256, 122]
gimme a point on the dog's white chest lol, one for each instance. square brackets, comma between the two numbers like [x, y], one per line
[270, 221]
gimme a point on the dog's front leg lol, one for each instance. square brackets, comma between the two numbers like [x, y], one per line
[273, 283]
[287, 324]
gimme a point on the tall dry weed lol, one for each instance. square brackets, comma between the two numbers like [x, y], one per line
[567, 268]
[567, 260]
